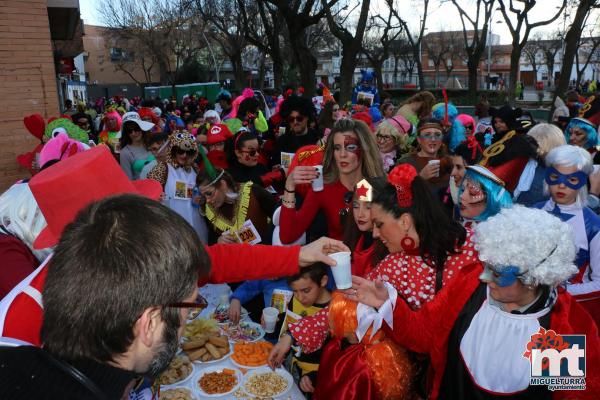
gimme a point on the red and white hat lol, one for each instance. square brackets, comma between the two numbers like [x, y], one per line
[67, 187]
[218, 133]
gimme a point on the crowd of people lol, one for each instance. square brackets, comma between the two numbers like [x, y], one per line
[468, 235]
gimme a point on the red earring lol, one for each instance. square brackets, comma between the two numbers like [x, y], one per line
[408, 244]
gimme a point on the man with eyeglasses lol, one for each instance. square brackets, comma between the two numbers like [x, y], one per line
[119, 285]
[296, 112]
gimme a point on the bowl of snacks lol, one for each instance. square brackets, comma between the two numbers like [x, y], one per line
[251, 355]
[264, 382]
[199, 328]
[218, 381]
[245, 331]
[207, 348]
[178, 393]
[179, 371]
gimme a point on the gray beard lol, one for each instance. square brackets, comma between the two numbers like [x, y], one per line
[166, 352]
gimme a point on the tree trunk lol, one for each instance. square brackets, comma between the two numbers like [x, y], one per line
[261, 72]
[396, 59]
[571, 40]
[378, 68]
[417, 56]
[277, 74]
[515, 57]
[306, 62]
[238, 71]
[347, 67]
[472, 76]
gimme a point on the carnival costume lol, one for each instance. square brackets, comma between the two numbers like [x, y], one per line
[21, 310]
[366, 89]
[44, 132]
[481, 182]
[464, 327]
[111, 137]
[178, 181]
[454, 130]
[512, 153]
[588, 119]
[365, 370]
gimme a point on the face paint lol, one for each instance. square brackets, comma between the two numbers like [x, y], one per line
[501, 276]
[352, 145]
[476, 193]
[574, 181]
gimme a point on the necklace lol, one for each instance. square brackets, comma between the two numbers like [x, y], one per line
[223, 223]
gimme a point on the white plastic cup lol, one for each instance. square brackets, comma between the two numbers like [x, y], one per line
[270, 316]
[342, 272]
[435, 162]
[317, 184]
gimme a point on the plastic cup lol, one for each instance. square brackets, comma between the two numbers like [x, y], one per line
[317, 184]
[435, 162]
[270, 316]
[342, 272]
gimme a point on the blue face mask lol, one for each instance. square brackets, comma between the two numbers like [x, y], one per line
[575, 181]
[501, 276]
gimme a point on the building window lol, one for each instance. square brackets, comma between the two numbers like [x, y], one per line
[118, 54]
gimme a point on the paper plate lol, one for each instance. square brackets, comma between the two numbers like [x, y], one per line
[225, 329]
[279, 371]
[204, 371]
[182, 382]
[225, 357]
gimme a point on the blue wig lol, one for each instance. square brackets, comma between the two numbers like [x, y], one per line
[592, 134]
[178, 122]
[366, 75]
[456, 133]
[497, 197]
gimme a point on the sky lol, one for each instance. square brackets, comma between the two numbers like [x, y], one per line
[441, 16]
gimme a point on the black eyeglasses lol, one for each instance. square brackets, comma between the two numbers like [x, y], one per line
[200, 303]
[346, 210]
[188, 152]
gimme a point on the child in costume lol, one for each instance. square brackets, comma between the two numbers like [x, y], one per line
[568, 168]
[310, 295]
[177, 175]
[112, 129]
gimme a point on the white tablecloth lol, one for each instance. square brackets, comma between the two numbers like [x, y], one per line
[212, 293]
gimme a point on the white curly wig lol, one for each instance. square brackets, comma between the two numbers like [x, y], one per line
[536, 242]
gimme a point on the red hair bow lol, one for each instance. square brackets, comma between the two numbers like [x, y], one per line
[401, 177]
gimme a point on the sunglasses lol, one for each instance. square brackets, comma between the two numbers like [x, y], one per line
[432, 136]
[188, 152]
[251, 153]
[131, 130]
[299, 118]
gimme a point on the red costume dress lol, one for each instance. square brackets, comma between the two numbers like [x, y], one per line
[441, 326]
[21, 310]
[342, 373]
[293, 223]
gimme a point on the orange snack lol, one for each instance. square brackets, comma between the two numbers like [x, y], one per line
[251, 354]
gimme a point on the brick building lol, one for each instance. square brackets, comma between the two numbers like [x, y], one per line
[28, 82]
[113, 67]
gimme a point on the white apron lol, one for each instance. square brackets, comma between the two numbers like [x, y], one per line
[178, 189]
